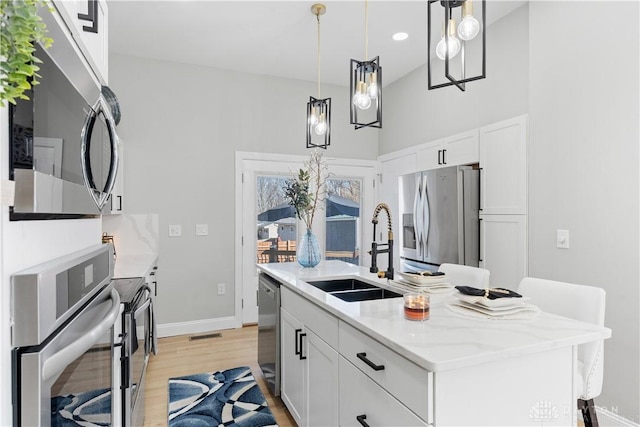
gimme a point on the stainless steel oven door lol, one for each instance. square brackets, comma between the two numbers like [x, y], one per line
[70, 377]
[138, 330]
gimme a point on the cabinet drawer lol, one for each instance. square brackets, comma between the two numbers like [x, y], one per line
[323, 324]
[360, 396]
[405, 380]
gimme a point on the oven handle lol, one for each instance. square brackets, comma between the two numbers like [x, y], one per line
[57, 362]
[142, 308]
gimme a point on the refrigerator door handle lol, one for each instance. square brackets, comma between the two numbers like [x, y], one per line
[426, 216]
[416, 211]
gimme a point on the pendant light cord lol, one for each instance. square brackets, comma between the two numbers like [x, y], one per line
[318, 18]
[366, 30]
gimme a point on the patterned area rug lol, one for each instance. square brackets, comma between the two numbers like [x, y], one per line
[90, 409]
[221, 398]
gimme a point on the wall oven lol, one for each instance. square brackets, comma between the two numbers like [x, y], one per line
[63, 152]
[136, 333]
[64, 314]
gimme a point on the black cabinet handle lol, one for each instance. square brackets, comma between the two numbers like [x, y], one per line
[302, 357]
[298, 341]
[439, 161]
[444, 161]
[119, 203]
[363, 357]
[361, 419]
[155, 286]
[91, 16]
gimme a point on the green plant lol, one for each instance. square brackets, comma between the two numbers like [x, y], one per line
[298, 189]
[20, 28]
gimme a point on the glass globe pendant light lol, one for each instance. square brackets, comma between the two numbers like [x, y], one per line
[318, 109]
[365, 89]
[469, 26]
[459, 67]
[453, 43]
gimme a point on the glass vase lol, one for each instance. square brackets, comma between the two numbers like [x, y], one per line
[308, 252]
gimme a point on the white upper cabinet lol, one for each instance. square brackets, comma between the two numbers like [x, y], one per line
[87, 21]
[429, 155]
[460, 149]
[503, 163]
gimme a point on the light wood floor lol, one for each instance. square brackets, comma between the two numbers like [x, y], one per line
[178, 356]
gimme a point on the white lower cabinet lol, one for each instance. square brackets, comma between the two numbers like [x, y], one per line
[503, 251]
[309, 366]
[331, 373]
[364, 403]
[293, 378]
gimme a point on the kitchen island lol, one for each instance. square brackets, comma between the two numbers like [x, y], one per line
[448, 370]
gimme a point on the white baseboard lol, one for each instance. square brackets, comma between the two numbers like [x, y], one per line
[606, 418]
[198, 326]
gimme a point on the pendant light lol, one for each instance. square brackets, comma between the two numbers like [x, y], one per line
[453, 47]
[366, 86]
[318, 110]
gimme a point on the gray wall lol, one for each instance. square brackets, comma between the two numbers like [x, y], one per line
[413, 115]
[579, 85]
[583, 168]
[181, 126]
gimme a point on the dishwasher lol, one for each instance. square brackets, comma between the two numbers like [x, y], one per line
[269, 331]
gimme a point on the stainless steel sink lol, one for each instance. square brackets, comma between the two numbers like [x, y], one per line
[341, 285]
[353, 290]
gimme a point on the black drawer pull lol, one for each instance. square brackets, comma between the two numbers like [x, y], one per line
[302, 357]
[363, 357]
[298, 342]
[361, 419]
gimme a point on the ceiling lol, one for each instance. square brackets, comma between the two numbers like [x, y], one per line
[279, 38]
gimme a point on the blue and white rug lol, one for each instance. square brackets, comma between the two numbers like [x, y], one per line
[221, 398]
[89, 409]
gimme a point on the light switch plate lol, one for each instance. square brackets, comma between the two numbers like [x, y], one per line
[562, 239]
[175, 231]
[202, 229]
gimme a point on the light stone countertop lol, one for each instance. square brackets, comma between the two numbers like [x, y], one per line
[447, 340]
[134, 265]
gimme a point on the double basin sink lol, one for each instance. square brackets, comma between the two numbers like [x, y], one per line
[353, 290]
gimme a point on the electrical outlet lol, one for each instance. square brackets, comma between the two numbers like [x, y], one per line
[562, 239]
[202, 229]
[175, 231]
[221, 289]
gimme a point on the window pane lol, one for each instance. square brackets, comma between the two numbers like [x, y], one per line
[276, 222]
[343, 219]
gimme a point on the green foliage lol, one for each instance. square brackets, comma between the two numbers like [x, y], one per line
[298, 188]
[20, 28]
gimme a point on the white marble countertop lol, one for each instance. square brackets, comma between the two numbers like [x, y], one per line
[447, 340]
[134, 265]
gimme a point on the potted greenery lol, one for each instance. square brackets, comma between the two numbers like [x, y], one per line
[305, 201]
[20, 28]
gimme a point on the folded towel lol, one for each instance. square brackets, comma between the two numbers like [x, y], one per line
[491, 293]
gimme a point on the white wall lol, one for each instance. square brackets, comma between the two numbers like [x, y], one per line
[583, 168]
[182, 125]
[413, 115]
[579, 83]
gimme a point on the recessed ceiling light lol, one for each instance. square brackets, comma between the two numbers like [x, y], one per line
[400, 36]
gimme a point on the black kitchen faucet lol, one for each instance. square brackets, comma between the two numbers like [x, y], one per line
[386, 247]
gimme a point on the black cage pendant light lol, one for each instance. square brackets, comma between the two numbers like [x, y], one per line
[458, 45]
[318, 109]
[366, 86]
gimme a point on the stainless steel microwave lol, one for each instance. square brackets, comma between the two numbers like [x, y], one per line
[63, 152]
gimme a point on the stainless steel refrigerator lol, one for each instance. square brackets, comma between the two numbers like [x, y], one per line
[439, 218]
